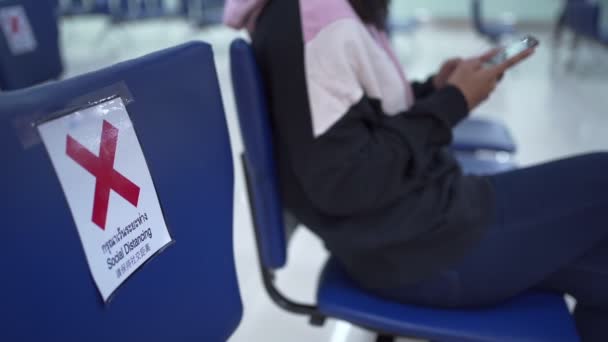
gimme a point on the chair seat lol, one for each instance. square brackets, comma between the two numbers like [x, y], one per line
[495, 31]
[404, 26]
[499, 28]
[529, 317]
[210, 17]
[480, 165]
[476, 134]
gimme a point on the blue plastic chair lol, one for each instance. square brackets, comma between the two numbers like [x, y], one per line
[135, 10]
[406, 25]
[189, 292]
[480, 164]
[494, 31]
[204, 13]
[530, 317]
[71, 8]
[44, 63]
[583, 18]
[476, 134]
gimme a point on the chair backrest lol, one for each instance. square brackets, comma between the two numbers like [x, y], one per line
[259, 156]
[206, 12]
[189, 292]
[126, 10]
[29, 43]
[83, 7]
[583, 17]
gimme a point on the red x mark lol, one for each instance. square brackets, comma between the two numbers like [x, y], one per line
[102, 168]
[15, 24]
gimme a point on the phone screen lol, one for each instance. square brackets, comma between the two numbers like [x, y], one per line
[514, 49]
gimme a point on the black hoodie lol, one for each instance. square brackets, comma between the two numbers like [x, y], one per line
[361, 164]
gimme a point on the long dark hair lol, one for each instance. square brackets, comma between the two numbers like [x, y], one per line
[374, 12]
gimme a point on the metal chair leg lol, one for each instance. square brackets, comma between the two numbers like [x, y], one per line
[576, 40]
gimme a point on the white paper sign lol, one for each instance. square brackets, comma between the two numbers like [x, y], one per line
[109, 189]
[17, 30]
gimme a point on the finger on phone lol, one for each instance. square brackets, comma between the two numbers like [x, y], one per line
[501, 68]
[454, 62]
[486, 57]
[474, 63]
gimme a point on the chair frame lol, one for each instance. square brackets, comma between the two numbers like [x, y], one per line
[268, 274]
[316, 317]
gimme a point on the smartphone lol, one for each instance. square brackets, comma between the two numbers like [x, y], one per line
[513, 50]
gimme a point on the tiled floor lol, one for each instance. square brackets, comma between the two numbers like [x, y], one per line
[552, 113]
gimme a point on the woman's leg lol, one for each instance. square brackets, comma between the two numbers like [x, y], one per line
[550, 227]
[586, 279]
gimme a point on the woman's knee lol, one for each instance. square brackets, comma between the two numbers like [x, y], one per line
[587, 170]
[597, 158]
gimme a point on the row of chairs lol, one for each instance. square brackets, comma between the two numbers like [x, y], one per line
[190, 292]
[200, 12]
[583, 18]
[44, 62]
[82, 7]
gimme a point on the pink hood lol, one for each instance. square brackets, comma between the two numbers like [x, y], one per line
[241, 14]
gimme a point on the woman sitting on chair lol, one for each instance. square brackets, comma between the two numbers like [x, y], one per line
[363, 163]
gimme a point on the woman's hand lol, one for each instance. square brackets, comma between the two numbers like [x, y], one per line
[447, 69]
[477, 81]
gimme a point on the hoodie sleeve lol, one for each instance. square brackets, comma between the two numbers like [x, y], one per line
[423, 89]
[362, 157]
